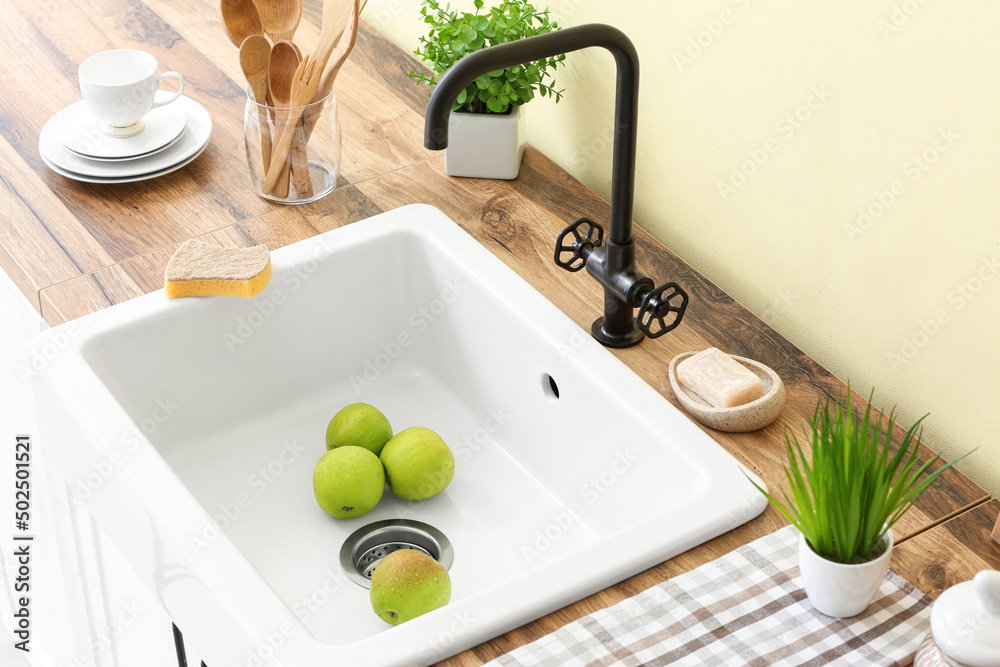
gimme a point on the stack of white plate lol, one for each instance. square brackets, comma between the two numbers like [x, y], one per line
[72, 143]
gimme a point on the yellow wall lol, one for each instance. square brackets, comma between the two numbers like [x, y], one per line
[885, 106]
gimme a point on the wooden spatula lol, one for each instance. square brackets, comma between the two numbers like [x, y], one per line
[304, 85]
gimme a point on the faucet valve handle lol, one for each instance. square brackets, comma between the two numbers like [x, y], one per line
[662, 309]
[587, 237]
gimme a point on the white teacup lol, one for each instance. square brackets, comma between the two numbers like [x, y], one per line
[119, 87]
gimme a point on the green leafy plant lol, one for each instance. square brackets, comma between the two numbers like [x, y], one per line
[852, 488]
[454, 34]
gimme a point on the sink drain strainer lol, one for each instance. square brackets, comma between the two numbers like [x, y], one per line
[367, 546]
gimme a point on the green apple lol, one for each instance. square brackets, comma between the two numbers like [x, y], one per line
[360, 425]
[348, 482]
[408, 583]
[418, 463]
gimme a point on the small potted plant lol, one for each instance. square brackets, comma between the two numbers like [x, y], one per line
[845, 498]
[486, 130]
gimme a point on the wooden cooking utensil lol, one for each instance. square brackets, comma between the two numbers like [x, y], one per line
[240, 19]
[339, 56]
[285, 58]
[298, 158]
[304, 86]
[300, 162]
[255, 54]
[348, 37]
[280, 18]
[336, 14]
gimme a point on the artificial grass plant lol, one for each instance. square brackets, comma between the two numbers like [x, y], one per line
[852, 487]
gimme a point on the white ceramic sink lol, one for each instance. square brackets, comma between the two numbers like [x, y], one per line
[190, 429]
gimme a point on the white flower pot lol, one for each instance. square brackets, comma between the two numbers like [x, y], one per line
[839, 590]
[485, 145]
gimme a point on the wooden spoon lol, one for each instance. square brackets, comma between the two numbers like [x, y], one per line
[240, 19]
[280, 18]
[304, 86]
[285, 58]
[255, 54]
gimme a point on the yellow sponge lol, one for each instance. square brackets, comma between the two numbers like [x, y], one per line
[200, 269]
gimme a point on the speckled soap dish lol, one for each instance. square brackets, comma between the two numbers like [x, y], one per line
[742, 418]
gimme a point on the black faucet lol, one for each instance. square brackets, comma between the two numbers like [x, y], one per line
[613, 264]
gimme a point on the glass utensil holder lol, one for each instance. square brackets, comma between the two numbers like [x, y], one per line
[312, 167]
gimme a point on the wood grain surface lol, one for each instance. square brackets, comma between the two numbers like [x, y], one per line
[65, 228]
[996, 530]
[76, 248]
[951, 552]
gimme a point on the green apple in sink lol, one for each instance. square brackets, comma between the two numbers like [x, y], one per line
[360, 425]
[418, 463]
[348, 482]
[408, 583]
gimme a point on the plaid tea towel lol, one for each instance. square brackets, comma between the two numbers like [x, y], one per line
[746, 608]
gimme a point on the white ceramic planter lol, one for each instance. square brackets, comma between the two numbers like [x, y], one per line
[839, 590]
[485, 145]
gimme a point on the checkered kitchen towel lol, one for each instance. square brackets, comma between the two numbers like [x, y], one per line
[746, 608]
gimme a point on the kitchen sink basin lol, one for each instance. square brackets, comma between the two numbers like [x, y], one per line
[190, 429]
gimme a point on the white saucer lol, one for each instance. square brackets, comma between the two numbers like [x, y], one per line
[134, 157]
[79, 131]
[192, 141]
[127, 179]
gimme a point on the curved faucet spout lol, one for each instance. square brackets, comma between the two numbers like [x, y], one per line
[548, 45]
[613, 263]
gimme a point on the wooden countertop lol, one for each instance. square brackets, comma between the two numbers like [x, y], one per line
[74, 248]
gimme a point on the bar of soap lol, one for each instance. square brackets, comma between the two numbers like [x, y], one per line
[718, 379]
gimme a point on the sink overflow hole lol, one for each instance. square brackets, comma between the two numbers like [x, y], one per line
[365, 548]
[550, 388]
